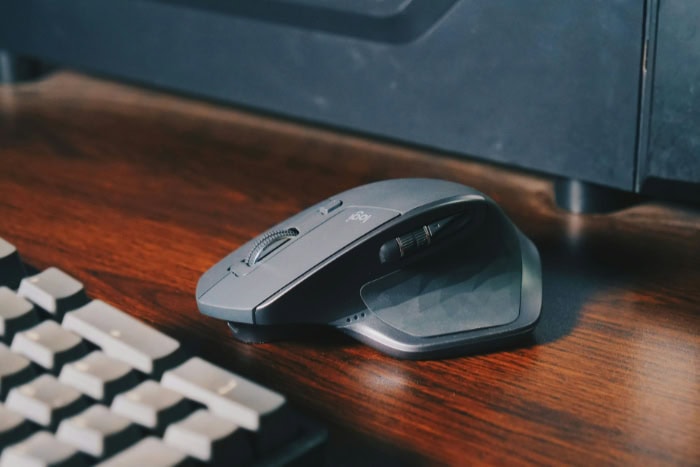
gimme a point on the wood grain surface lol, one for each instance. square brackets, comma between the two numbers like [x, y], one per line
[137, 193]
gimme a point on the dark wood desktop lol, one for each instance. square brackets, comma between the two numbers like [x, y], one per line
[137, 193]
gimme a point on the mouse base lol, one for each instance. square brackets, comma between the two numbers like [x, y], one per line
[260, 334]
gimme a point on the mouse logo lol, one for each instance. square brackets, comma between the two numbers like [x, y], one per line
[359, 216]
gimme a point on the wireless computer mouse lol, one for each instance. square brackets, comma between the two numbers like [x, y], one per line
[417, 268]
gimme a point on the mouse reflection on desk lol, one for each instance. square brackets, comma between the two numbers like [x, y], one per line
[416, 268]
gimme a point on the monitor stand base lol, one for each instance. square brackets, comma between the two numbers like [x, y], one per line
[580, 197]
[16, 69]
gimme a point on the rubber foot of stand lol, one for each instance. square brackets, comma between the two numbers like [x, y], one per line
[580, 197]
[16, 69]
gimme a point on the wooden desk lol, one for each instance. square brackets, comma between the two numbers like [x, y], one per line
[137, 193]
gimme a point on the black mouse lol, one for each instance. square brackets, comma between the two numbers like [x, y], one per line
[416, 268]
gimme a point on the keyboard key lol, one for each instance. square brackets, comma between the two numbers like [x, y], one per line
[98, 432]
[234, 398]
[151, 452]
[16, 314]
[211, 439]
[225, 393]
[15, 370]
[124, 337]
[54, 291]
[49, 345]
[152, 406]
[11, 267]
[13, 427]
[45, 401]
[99, 376]
[42, 449]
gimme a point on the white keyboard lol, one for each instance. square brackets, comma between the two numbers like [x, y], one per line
[83, 383]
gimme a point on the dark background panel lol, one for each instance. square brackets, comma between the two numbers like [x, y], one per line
[551, 85]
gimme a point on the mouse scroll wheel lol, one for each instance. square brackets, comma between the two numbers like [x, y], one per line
[269, 243]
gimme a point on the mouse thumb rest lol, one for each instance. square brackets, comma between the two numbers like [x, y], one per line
[427, 326]
[434, 281]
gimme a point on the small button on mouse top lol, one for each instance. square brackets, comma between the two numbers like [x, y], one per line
[330, 206]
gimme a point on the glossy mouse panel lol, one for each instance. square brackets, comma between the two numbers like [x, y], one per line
[413, 267]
